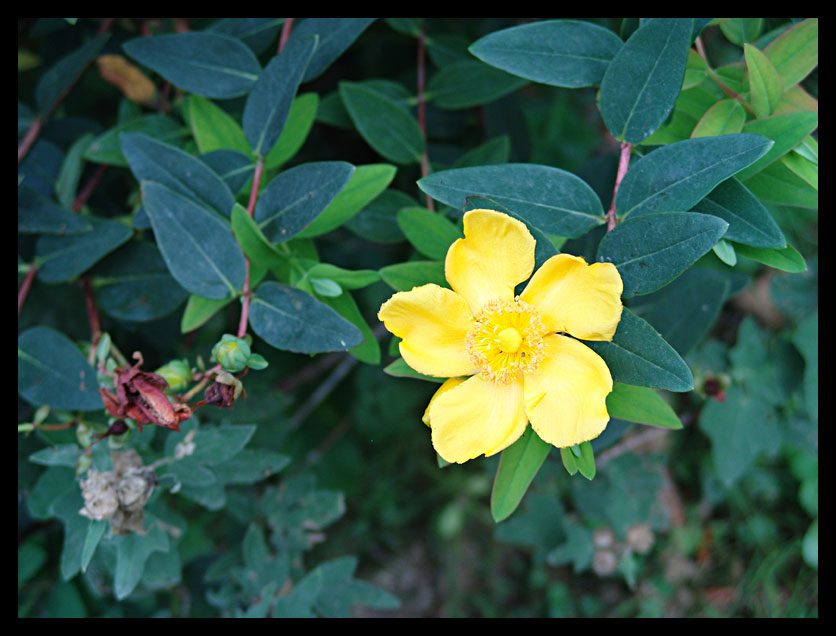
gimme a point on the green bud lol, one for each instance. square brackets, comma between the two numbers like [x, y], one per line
[84, 435]
[232, 353]
[177, 373]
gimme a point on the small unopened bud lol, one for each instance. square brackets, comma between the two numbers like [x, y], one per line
[177, 374]
[232, 353]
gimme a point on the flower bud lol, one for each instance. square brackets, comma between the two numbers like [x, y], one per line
[232, 353]
[177, 374]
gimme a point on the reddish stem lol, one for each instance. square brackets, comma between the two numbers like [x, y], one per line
[24, 287]
[245, 292]
[422, 116]
[92, 314]
[82, 197]
[29, 139]
[623, 165]
[288, 24]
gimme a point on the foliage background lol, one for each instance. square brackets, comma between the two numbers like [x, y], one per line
[717, 519]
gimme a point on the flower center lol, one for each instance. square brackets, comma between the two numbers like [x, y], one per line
[507, 340]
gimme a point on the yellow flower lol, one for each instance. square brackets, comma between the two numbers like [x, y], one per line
[507, 357]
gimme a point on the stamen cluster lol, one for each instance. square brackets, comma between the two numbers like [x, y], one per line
[506, 341]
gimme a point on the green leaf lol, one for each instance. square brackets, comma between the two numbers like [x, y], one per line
[389, 129]
[377, 221]
[67, 182]
[58, 455]
[492, 152]
[795, 53]
[639, 355]
[233, 167]
[641, 404]
[198, 247]
[198, 310]
[294, 199]
[369, 350]
[95, 532]
[346, 278]
[643, 80]
[765, 83]
[786, 259]
[586, 461]
[564, 53]
[37, 214]
[253, 242]
[570, 462]
[62, 258]
[269, 102]
[212, 127]
[30, 558]
[365, 185]
[749, 221]
[806, 340]
[132, 552]
[289, 319]
[208, 64]
[154, 160]
[405, 276]
[106, 148]
[698, 296]
[430, 233]
[651, 250]
[299, 121]
[256, 33]
[60, 78]
[803, 167]
[518, 465]
[335, 36]
[675, 177]
[51, 370]
[787, 131]
[553, 200]
[741, 30]
[726, 117]
[401, 369]
[778, 184]
[249, 466]
[469, 83]
[133, 284]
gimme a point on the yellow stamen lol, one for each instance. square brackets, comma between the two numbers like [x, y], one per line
[506, 341]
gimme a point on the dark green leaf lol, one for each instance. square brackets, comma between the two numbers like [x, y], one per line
[299, 121]
[365, 185]
[401, 369]
[51, 370]
[95, 532]
[469, 83]
[153, 160]
[639, 355]
[133, 551]
[495, 151]
[377, 221]
[208, 64]
[235, 168]
[555, 201]
[58, 455]
[643, 80]
[198, 247]
[37, 214]
[518, 465]
[749, 221]
[268, 105]
[388, 128]
[294, 199]
[251, 239]
[67, 182]
[676, 177]
[555, 52]
[651, 250]
[290, 319]
[369, 350]
[106, 148]
[641, 404]
[198, 310]
[62, 258]
[249, 466]
[55, 83]
[133, 284]
[778, 184]
[256, 33]
[335, 36]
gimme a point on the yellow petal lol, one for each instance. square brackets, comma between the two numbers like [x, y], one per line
[495, 255]
[477, 417]
[565, 397]
[432, 322]
[449, 384]
[579, 299]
